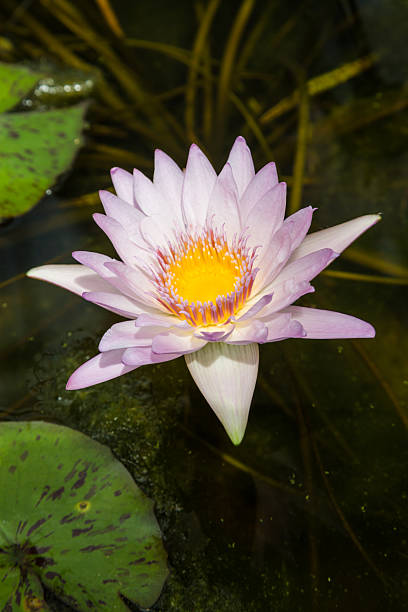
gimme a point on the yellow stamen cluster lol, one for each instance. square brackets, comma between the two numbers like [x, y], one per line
[203, 279]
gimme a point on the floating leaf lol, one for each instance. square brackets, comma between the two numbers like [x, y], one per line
[16, 81]
[35, 148]
[72, 519]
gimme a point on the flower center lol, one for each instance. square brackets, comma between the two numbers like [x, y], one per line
[202, 278]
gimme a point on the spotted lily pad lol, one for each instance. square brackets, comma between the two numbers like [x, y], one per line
[73, 520]
[35, 148]
[16, 81]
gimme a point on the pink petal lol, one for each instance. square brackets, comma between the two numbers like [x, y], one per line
[123, 184]
[158, 230]
[133, 282]
[214, 333]
[263, 181]
[126, 334]
[274, 258]
[174, 341]
[199, 180]
[128, 216]
[281, 326]
[337, 237]
[147, 196]
[240, 160]
[258, 305]
[74, 277]
[168, 178]
[287, 293]
[163, 320]
[118, 236]
[223, 204]
[116, 302]
[110, 270]
[139, 356]
[322, 324]
[298, 225]
[104, 366]
[266, 217]
[248, 332]
[305, 268]
[95, 261]
[226, 376]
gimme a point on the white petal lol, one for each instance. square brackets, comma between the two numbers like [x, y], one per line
[226, 376]
[168, 178]
[274, 258]
[123, 184]
[223, 205]
[325, 324]
[240, 160]
[124, 213]
[158, 230]
[199, 180]
[74, 277]
[116, 302]
[336, 238]
[100, 368]
[175, 340]
[248, 332]
[263, 181]
[266, 217]
[147, 196]
[305, 268]
[125, 248]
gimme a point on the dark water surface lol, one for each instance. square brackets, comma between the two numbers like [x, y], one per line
[310, 512]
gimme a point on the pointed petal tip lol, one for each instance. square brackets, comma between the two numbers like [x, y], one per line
[370, 331]
[236, 436]
[41, 273]
[32, 273]
[71, 386]
[240, 142]
[226, 376]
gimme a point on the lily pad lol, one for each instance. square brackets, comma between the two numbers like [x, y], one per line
[35, 148]
[73, 520]
[16, 81]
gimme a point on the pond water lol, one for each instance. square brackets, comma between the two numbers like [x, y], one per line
[310, 512]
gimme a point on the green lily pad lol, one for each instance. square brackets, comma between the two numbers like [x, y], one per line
[16, 81]
[35, 148]
[73, 520]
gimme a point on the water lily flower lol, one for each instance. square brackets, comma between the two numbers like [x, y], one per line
[209, 269]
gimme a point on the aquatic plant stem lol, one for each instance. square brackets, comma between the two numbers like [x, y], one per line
[300, 155]
[374, 262]
[158, 116]
[197, 51]
[252, 124]
[227, 67]
[367, 278]
[110, 17]
[319, 84]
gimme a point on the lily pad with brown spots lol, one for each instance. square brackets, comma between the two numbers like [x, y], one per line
[73, 520]
[16, 81]
[35, 148]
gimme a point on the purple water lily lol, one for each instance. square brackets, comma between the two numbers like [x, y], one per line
[209, 269]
